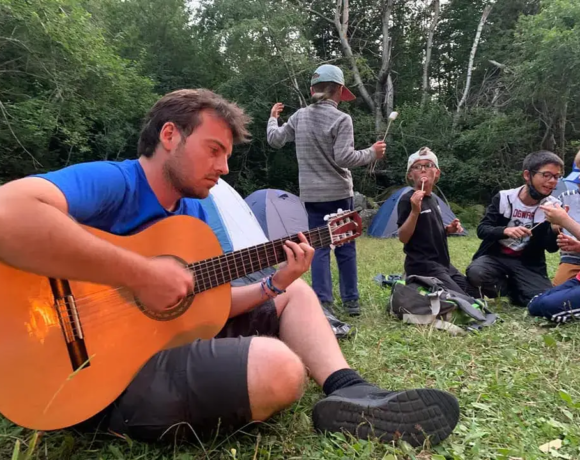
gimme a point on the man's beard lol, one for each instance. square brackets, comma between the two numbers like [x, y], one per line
[174, 173]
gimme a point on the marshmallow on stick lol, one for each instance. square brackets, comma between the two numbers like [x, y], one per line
[392, 117]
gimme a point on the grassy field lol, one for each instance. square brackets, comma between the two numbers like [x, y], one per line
[517, 383]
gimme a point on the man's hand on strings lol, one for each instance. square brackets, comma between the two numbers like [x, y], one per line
[162, 284]
[298, 260]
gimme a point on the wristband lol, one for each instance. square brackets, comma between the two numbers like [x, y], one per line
[265, 291]
[272, 287]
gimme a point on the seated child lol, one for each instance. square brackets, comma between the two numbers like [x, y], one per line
[561, 303]
[569, 246]
[421, 227]
[511, 259]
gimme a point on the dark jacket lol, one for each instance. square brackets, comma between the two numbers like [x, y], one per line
[496, 219]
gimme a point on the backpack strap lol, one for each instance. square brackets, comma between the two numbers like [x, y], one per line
[465, 305]
[432, 320]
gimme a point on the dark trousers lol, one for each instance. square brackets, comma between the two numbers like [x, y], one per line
[559, 304]
[502, 275]
[450, 277]
[345, 255]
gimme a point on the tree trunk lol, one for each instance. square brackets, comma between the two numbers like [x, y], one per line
[342, 29]
[381, 86]
[436, 7]
[463, 100]
[389, 101]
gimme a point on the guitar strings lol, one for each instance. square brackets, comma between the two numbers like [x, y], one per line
[109, 294]
[209, 269]
[208, 272]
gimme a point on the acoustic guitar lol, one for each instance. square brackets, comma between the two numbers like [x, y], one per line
[68, 349]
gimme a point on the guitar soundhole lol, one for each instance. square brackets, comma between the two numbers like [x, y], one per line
[171, 312]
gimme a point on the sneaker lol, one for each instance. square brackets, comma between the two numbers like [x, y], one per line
[329, 306]
[367, 411]
[352, 307]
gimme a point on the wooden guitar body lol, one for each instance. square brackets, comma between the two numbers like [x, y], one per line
[68, 349]
[39, 388]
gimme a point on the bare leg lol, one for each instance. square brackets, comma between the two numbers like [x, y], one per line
[276, 377]
[305, 329]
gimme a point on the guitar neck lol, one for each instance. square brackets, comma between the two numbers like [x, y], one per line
[210, 273]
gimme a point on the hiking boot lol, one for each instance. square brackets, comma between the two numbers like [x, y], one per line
[367, 411]
[352, 307]
[328, 306]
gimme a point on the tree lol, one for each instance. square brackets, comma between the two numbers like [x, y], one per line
[65, 95]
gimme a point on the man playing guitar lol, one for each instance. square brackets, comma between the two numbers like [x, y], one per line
[276, 334]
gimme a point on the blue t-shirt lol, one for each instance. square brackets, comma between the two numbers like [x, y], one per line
[115, 196]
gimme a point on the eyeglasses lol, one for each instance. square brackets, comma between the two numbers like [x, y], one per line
[427, 166]
[548, 175]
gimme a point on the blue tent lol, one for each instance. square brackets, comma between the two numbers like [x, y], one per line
[384, 224]
[279, 213]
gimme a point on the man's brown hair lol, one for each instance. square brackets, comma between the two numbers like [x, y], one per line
[183, 107]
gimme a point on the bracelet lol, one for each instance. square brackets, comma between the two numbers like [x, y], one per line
[271, 286]
[266, 293]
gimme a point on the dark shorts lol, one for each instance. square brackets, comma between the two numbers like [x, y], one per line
[202, 386]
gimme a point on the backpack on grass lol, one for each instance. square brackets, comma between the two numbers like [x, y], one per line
[425, 300]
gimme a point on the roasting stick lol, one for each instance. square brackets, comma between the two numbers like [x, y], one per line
[392, 117]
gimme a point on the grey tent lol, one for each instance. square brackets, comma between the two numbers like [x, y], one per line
[279, 213]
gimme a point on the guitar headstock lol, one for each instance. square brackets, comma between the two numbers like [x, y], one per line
[343, 226]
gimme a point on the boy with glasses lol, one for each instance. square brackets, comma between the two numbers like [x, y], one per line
[515, 234]
[421, 227]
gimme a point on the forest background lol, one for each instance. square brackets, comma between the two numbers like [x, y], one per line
[481, 83]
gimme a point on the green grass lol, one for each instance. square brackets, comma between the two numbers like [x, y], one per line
[517, 383]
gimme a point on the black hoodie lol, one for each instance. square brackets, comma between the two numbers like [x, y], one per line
[497, 218]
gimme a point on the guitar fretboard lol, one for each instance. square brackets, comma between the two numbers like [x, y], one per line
[210, 273]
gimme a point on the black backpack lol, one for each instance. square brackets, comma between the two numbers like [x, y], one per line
[425, 300]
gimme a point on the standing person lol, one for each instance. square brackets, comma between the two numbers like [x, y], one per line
[421, 227]
[511, 259]
[569, 246]
[276, 334]
[324, 140]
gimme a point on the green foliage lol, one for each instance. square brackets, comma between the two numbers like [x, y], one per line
[78, 76]
[66, 96]
[470, 216]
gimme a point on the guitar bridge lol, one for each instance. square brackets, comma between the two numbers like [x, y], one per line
[70, 323]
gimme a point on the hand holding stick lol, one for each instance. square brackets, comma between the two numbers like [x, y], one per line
[392, 117]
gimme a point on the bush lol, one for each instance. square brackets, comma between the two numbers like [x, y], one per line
[470, 216]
